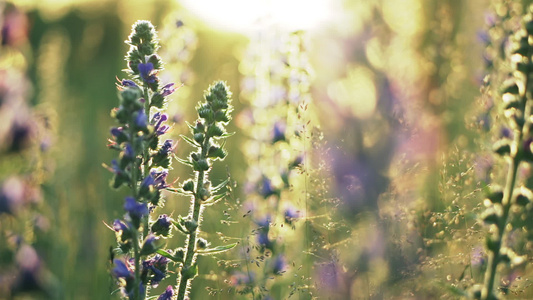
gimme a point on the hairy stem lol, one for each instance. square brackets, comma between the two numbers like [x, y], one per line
[191, 240]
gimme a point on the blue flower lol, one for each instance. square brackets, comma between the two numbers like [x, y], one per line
[162, 226]
[121, 270]
[157, 121]
[134, 208]
[291, 214]
[280, 264]
[128, 83]
[128, 151]
[168, 89]
[119, 225]
[266, 189]
[160, 177]
[167, 294]
[166, 147]
[147, 72]
[141, 120]
[278, 132]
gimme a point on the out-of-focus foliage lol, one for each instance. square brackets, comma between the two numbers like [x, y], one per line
[359, 165]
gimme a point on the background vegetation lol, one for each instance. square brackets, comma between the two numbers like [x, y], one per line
[380, 100]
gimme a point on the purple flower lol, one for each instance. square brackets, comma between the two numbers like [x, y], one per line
[167, 294]
[121, 270]
[266, 188]
[119, 225]
[168, 89]
[166, 147]
[239, 278]
[162, 226]
[128, 83]
[12, 195]
[278, 132]
[156, 268]
[141, 120]
[280, 264]
[160, 177]
[128, 151]
[117, 131]
[134, 208]
[147, 72]
[290, 214]
[157, 121]
[115, 168]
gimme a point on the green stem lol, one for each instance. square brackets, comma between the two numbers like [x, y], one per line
[135, 233]
[190, 256]
[494, 257]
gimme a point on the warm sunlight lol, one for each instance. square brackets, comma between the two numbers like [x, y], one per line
[243, 15]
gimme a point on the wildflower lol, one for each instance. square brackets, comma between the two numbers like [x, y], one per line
[278, 132]
[128, 83]
[134, 208]
[280, 264]
[121, 270]
[266, 188]
[157, 121]
[167, 294]
[11, 195]
[151, 244]
[168, 89]
[162, 226]
[147, 72]
[141, 120]
[291, 214]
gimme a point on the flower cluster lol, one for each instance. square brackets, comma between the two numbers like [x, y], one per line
[512, 202]
[278, 137]
[142, 165]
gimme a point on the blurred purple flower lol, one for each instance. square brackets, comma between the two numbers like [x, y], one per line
[278, 132]
[291, 214]
[134, 208]
[167, 294]
[121, 270]
[141, 120]
[280, 265]
[12, 195]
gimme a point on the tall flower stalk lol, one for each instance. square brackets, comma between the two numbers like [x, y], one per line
[207, 134]
[504, 204]
[142, 166]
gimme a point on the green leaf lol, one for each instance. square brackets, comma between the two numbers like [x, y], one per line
[168, 255]
[220, 186]
[183, 161]
[227, 134]
[213, 200]
[180, 227]
[178, 191]
[216, 250]
[190, 141]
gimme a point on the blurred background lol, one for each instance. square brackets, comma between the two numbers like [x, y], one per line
[379, 100]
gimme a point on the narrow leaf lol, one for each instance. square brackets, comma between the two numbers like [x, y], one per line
[167, 255]
[220, 186]
[180, 227]
[190, 141]
[216, 250]
[183, 161]
[213, 200]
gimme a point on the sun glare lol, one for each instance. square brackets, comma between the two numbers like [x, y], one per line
[245, 15]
